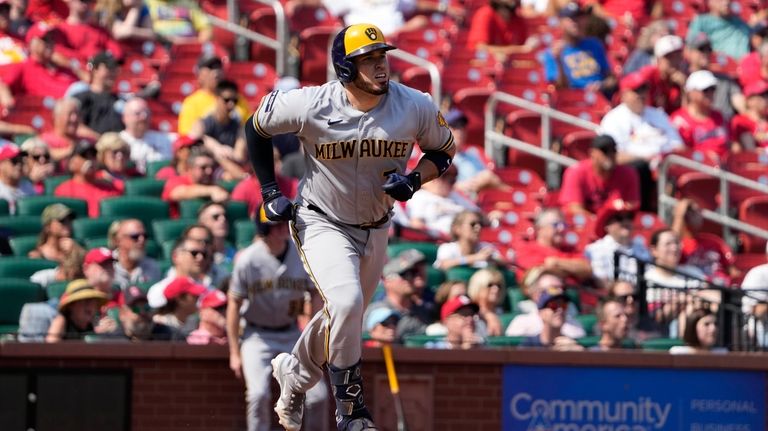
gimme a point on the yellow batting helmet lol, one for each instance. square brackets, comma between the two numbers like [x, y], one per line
[352, 41]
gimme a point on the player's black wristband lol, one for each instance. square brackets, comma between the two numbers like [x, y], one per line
[270, 191]
[415, 179]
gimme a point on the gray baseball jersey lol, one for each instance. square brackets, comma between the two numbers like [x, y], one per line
[274, 290]
[348, 152]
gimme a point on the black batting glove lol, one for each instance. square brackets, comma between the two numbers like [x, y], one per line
[402, 187]
[276, 206]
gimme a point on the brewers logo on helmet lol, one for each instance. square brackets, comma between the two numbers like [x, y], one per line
[353, 41]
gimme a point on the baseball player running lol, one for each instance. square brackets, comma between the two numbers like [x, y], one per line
[269, 278]
[357, 134]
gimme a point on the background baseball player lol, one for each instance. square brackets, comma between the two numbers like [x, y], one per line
[269, 290]
[357, 134]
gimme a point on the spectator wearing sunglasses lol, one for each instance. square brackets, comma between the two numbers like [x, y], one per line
[12, 184]
[466, 248]
[487, 289]
[700, 125]
[199, 182]
[146, 145]
[132, 266]
[728, 98]
[38, 164]
[549, 249]
[114, 156]
[55, 241]
[552, 304]
[615, 228]
[641, 328]
[222, 133]
[214, 216]
[180, 296]
[213, 274]
[404, 278]
[85, 183]
[459, 317]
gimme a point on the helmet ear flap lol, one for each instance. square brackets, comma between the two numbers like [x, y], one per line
[345, 69]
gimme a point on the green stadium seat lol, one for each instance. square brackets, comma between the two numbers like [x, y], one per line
[229, 185]
[661, 344]
[504, 341]
[435, 277]
[22, 245]
[420, 340]
[34, 205]
[144, 187]
[515, 296]
[170, 230]
[20, 225]
[588, 341]
[56, 289]
[86, 228]
[460, 273]
[588, 321]
[153, 250]
[506, 319]
[188, 208]
[4, 207]
[167, 247]
[574, 296]
[143, 208]
[15, 293]
[428, 248]
[22, 267]
[245, 230]
[51, 183]
[236, 210]
[153, 167]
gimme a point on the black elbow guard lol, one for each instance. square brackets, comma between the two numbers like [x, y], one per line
[440, 159]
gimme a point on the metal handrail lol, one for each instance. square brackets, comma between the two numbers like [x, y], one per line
[279, 44]
[434, 73]
[721, 216]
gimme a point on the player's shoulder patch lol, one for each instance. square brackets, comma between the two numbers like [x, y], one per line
[270, 101]
[440, 120]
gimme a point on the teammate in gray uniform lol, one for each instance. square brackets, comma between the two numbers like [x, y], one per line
[268, 290]
[357, 134]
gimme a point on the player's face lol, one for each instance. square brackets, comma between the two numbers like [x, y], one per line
[373, 72]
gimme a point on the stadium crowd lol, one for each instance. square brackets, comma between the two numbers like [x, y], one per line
[136, 225]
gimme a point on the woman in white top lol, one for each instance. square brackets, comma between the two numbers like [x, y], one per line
[486, 288]
[700, 334]
[466, 248]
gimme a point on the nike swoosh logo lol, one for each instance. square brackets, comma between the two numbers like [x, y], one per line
[332, 122]
[410, 187]
[271, 207]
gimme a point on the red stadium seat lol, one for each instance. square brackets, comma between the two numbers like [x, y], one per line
[701, 188]
[262, 20]
[675, 171]
[525, 126]
[755, 212]
[645, 224]
[135, 73]
[418, 78]
[302, 17]
[313, 51]
[472, 102]
[524, 204]
[577, 144]
[522, 179]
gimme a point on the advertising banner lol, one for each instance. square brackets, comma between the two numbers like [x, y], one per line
[539, 398]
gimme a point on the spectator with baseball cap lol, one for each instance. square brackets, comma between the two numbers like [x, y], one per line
[381, 325]
[210, 71]
[615, 229]
[666, 78]
[588, 184]
[700, 125]
[146, 145]
[182, 147]
[198, 182]
[614, 324]
[643, 134]
[728, 32]
[728, 98]
[78, 310]
[55, 241]
[38, 75]
[13, 186]
[99, 271]
[213, 321]
[99, 104]
[459, 317]
[750, 129]
[404, 279]
[181, 296]
[552, 304]
[575, 61]
[128, 238]
[84, 183]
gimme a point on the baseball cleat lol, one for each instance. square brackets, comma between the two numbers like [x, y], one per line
[356, 424]
[290, 405]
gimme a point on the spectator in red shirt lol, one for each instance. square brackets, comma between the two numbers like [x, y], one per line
[549, 249]
[197, 183]
[698, 251]
[588, 184]
[750, 129]
[37, 75]
[498, 28]
[66, 121]
[82, 40]
[84, 184]
[666, 78]
[701, 127]
[182, 147]
[47, 10]
[752, 66]
[248, 191]
[631, 13]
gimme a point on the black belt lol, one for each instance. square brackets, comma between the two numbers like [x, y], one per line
[364, 226]
[272, 329]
